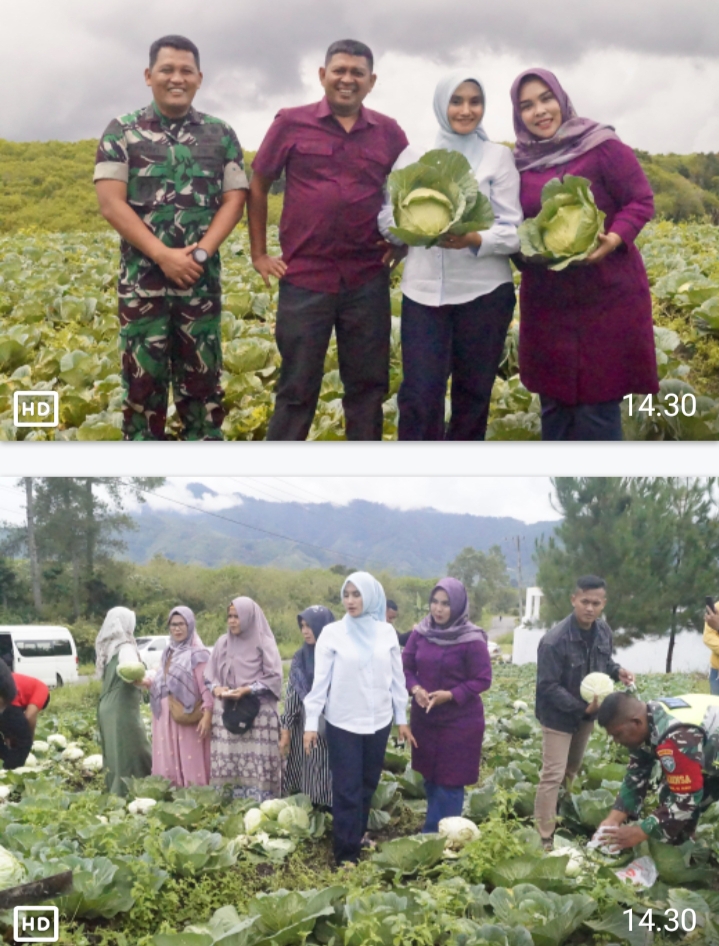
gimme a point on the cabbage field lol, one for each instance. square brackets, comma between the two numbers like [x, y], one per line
[191, 867]
[58, 331]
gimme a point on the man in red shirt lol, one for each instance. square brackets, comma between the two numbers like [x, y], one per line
[336, 156]
[21, 701]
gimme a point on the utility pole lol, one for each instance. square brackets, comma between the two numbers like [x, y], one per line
[31, 547]
[518, 540]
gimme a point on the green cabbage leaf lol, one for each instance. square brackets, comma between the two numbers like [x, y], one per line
[567, 228]
[436, 195]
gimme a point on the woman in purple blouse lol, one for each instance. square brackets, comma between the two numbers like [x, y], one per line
[586, 336]
[447, 666]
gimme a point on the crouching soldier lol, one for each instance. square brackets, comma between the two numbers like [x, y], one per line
[682, 734]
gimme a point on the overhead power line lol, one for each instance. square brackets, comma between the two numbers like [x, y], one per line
[246, 525]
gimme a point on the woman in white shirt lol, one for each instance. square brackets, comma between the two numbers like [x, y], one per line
[359, 689]
[458, 297]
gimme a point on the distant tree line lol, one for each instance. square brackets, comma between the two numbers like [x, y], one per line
[64, 565]
[654, 540]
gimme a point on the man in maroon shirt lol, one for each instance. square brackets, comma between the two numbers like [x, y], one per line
[336, 155]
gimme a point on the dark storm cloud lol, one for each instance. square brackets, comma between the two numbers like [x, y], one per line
[73, 65]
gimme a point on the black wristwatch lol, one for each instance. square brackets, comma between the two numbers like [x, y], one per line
[200, 256]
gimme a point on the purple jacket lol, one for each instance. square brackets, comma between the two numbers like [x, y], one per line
[450, 736]
[586, 333]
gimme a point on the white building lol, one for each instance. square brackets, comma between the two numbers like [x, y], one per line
[643, 656]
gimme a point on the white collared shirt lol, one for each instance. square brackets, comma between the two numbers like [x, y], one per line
[357, 699]
[436, 277]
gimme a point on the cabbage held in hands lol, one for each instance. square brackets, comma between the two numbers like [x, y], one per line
[436, 195]
[596, 684]
[567, 227]
[132, 673]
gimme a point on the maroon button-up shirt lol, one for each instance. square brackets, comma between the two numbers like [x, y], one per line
[333, 194]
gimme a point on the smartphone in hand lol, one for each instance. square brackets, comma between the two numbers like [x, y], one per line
[709, 602]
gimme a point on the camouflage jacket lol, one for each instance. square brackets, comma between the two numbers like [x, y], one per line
[176, 172]
[685, 754]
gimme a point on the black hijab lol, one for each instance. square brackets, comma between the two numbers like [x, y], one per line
[302, 668]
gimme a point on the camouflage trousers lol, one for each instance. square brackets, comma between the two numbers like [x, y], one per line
[171, 339]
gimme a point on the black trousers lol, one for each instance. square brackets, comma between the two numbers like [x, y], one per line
[356, 762]
[16, 735]
[581, 421]
[465, 341]
[361, 319]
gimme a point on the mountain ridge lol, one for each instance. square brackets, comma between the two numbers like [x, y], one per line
[360, 534]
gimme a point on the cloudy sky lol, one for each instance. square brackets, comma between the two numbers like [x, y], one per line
[649, 67]
[524, 498]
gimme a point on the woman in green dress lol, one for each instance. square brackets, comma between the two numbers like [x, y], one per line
[125, 748]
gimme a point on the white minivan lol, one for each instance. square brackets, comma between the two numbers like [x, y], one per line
[46, 652]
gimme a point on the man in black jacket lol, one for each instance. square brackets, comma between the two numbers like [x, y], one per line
[578, 645]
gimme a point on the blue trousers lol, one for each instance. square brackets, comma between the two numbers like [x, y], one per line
[356, 761]
[443, 801]
[714, 682]
[562, 421]
[465, 341]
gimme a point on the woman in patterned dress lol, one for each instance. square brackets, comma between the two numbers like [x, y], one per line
[309, 774]
[246, 660]
[181, 753]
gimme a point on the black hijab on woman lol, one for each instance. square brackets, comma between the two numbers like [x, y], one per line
[302, 669]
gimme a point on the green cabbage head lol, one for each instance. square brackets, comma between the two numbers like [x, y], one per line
[426, 211]
[12, 872]
[436, 195]
[567, 227]
[273, 806]
[292, 817]
[132, 672]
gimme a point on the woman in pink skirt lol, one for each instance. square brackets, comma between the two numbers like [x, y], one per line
[181, 752]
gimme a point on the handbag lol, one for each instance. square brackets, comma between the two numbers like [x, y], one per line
[180, 715]
[238, 716]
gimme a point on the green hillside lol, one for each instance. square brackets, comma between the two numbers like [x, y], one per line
[48, 185]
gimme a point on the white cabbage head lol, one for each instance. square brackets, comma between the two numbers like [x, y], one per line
[12, 872]
[92, 763]
[458, 831]
[596, 684]
[140, 806]
[253, 819]
[72, 754]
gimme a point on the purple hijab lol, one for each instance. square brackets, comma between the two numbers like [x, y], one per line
[250, 656]
[459, 629]
[179, 677]
[574, 137]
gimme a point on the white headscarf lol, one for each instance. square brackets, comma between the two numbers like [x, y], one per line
[117, 629]
[363, 630]
[471, 145]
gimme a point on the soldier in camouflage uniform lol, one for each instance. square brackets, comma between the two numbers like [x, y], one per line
[681, 734]
[171, 181]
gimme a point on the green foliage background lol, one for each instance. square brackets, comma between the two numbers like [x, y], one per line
[152, 590]
[58, 328]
